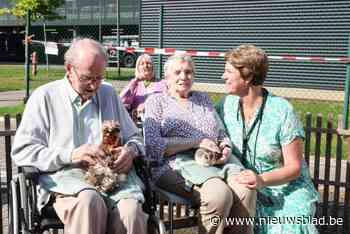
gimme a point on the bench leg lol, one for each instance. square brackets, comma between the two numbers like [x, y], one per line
[171, 217]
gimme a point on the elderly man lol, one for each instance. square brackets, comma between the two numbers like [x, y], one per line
[60, 133]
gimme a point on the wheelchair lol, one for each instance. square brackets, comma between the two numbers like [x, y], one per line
[26, 219]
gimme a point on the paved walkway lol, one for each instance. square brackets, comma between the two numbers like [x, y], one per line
[11, 98]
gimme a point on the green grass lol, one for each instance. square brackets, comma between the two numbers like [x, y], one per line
[12, 76]
[327, 110]
[125, 73]
[12, 110]
[301, 106]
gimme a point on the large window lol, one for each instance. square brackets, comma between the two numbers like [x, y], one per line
[89, 12]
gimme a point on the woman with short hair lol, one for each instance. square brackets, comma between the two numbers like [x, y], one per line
[267, 135]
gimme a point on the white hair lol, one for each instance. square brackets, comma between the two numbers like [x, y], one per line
[141, 58]
[181, 58]
[75, 48]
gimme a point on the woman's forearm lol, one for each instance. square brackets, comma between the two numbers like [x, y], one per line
[292, 158]
[127, 95]
[179, 144]
[281, 175]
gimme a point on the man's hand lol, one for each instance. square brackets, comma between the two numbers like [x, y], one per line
[88, 154]
[250, 179]
[125, 159]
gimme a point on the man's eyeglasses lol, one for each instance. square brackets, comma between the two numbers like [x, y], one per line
[88, 79]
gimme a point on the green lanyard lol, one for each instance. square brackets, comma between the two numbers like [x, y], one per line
[246, 135]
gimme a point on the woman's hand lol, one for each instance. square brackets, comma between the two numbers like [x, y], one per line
[209, 144]
[226, 153]
[140, 110]
[250, 179]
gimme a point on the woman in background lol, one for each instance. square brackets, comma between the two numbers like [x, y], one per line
[135, 93]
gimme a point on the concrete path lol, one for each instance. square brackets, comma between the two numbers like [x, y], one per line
[11, 98]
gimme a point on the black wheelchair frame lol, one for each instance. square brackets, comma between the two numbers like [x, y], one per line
[26, 219]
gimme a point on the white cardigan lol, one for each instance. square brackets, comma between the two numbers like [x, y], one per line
[45, 136]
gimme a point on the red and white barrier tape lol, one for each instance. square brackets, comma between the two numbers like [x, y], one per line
[171, 51]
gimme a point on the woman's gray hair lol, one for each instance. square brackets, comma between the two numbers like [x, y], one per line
[138, 62]
[72, 53]
[181, 58]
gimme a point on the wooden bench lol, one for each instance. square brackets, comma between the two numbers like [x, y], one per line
[324, 150]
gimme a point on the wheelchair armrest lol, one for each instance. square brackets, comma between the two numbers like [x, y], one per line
[30, 172]
[142, 168]
[143, 172]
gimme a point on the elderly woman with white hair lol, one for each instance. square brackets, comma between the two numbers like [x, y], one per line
[177, 123]
[135, 93]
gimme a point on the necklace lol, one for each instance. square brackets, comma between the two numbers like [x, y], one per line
[246, 135]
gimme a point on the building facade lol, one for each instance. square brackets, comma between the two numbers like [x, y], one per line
[281, 27]
[91, 18]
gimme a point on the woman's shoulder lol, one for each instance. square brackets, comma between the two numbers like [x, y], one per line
[229, 100]
[227, 105]
[156, 98]
[133, 83]
[107, 90]
[200, 95]
[157, 87]
[202, 98]
[279, 103]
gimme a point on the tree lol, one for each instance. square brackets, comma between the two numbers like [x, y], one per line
[39, 9]
[31, 10]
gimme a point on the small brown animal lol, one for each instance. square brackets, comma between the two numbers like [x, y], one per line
[206, 157]
[101, 175]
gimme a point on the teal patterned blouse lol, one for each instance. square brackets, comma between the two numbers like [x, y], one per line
[278, 126]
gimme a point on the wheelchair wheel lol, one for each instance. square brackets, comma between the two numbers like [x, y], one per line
[14, 208]
[24, 215]
[19, 208]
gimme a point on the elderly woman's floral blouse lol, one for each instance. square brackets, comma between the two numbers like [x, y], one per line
[279, 127]
[165, 117]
